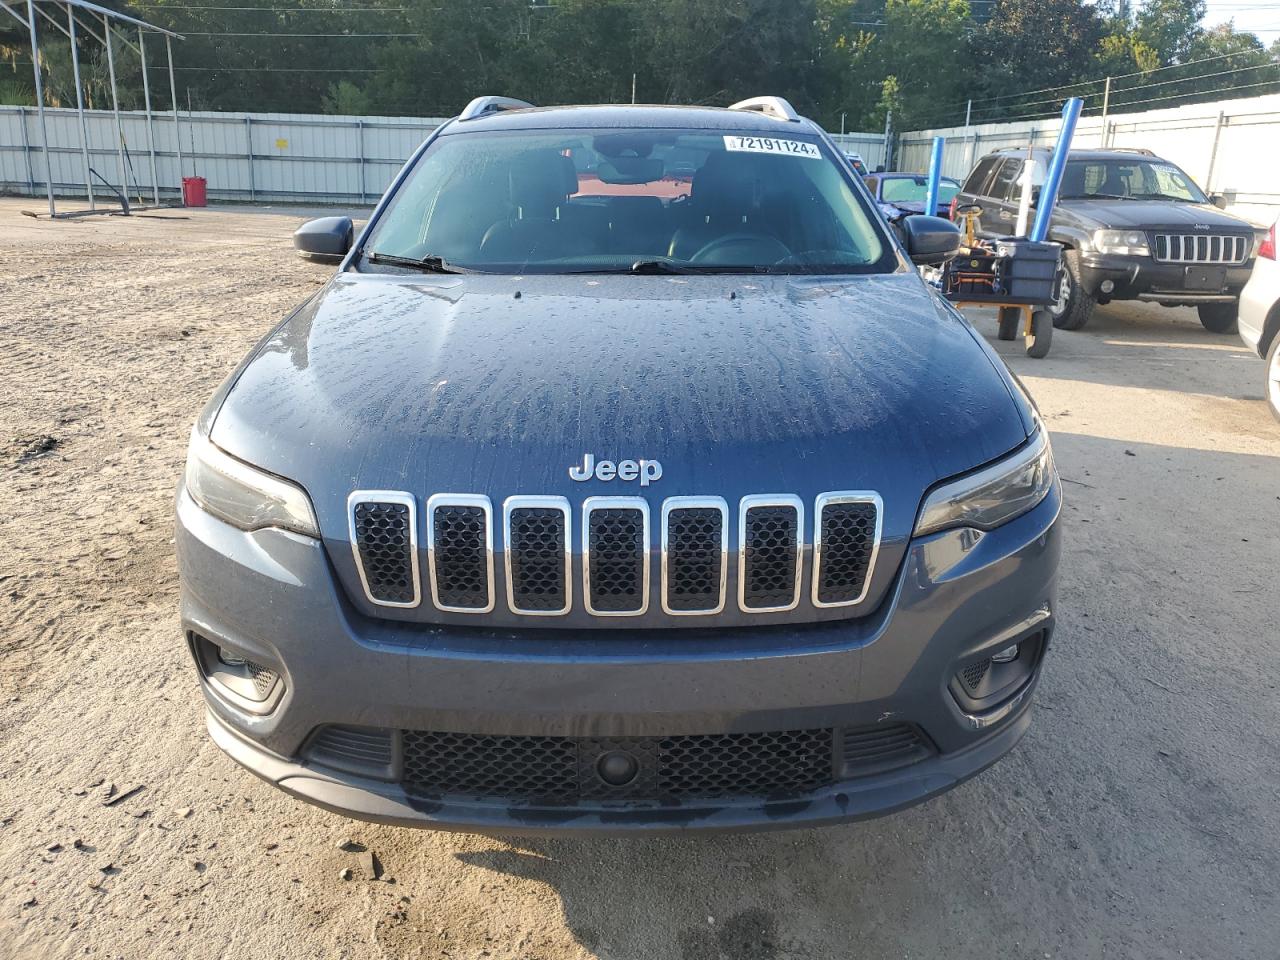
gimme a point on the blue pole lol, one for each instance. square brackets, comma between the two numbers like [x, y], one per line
[1057, 164]
[935, 175]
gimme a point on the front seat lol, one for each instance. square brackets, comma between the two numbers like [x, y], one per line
[725, 198]
[539, 183]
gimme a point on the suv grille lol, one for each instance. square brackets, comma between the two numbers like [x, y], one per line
[616, 547]
[770, 558]
[565, 769]
[847, 538]
[538, 556]
[384, 540]
[617, 556]
[1200, 248]
[461, 553]
[695, 541]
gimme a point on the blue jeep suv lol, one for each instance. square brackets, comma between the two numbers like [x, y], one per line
[592, 495]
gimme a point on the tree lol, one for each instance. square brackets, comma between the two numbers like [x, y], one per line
[1170, 27]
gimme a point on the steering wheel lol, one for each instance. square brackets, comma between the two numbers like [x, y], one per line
[758, 248]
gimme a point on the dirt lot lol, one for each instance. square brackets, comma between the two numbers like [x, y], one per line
[1139, 819]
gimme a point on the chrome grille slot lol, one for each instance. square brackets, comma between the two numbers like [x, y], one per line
[615, 556]
[772, 532]
[384, 541]
[460, 552]
[846, 540]
[1201, 248]
[538, 559]
[695, 545]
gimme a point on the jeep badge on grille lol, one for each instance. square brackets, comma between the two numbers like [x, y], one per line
[647, 471]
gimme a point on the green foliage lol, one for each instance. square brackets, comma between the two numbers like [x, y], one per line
[855, 60]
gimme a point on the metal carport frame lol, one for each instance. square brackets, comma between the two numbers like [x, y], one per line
[89, 12]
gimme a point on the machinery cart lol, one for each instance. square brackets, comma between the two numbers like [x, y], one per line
[1021, 278]
[1020, 275]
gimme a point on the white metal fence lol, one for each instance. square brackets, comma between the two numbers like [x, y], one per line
[1229, 147]
[244, 156]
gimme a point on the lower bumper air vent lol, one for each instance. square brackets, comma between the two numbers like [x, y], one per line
[870, 750]
[366, 751]
[565, 770]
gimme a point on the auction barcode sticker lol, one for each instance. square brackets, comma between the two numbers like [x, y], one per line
[788, 148]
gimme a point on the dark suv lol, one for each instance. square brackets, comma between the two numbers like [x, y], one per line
[586, 496]
[1134, 227]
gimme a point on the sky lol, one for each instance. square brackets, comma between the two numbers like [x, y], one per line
[1259, 16]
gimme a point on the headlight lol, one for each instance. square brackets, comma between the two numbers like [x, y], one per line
[244, 496]
[994, 495]
[1131, 243]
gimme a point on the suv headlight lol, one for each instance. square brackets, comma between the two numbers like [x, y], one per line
[245, 496]
[993, 495]
[1131, 243]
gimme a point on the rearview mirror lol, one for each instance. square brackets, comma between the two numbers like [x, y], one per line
[930, 240]
[325, 240]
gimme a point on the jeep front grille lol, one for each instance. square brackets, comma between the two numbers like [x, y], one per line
[539, 579]
[695, 546]
[615, 552]
[769, 561]
[384, 540]
[616, 544]
[460, 552]
[1201, 248]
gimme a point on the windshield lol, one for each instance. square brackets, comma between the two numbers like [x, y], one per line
[629, 201]
[1139, 178]
[915, 189]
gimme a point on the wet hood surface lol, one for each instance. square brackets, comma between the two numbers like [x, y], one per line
[498, 385]
[1154, 215]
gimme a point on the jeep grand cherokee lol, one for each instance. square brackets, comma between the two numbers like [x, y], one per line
[1133, 227]
[589, 496]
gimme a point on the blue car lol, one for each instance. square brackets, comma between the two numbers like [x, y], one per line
[589, 496]
[904, 194]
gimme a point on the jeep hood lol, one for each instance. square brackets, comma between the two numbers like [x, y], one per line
[497, 385]
[1155, 215]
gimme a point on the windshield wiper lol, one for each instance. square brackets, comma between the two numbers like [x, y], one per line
[427, 264]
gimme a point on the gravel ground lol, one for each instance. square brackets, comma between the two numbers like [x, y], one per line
[1138, 819]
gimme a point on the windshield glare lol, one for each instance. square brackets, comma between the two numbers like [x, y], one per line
[1137, 179]
[585, 201]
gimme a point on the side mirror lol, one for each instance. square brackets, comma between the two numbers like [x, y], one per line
[930, 240]
[1219, 201]
[326, 240]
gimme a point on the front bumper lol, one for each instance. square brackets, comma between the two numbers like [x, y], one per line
[1143, 278]
[958, 597]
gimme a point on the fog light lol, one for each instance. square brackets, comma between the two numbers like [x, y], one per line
[229, 659]
[1007, 655]
[1107, 286]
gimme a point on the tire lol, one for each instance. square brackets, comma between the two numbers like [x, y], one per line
[1271, 385]
[1075, 305]
[1219, 317]
[1041, 334]
[1010, 323]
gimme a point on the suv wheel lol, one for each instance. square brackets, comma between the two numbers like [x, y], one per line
[1271, 388]
[1219, 317]
[1075, 305]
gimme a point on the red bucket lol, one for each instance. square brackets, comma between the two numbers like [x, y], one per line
[193, 191]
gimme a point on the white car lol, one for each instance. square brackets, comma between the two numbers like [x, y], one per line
[1260, 315]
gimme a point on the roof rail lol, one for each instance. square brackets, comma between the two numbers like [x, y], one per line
[774, 107]
[1141, 150]
[482, 106]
